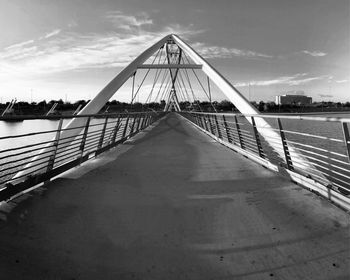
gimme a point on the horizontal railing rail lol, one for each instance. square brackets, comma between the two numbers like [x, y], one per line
[20, 166]
[316, 148]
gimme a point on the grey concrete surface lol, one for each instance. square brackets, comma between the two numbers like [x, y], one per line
[173, 204]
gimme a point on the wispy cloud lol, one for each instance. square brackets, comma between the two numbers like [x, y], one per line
[294, 80]
[342, 81]
[326, 95]
[19, 45]
[67, 51]
[208, 51]
[128, 22]
[53, 33]
[314, 53]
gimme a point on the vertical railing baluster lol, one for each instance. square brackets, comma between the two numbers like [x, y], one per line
[125, 127]
[285, 146]
[211, 125]
[205, 122]
[195, 119]
[239, 134]
[257, 139]
[84, 138]
[346, 138]
[217, 127]
[143, 121]
[149, 120]
[52, 158]
[133, 125]
[138, 122]
[100, 142]
[229, 139]
[116, 129]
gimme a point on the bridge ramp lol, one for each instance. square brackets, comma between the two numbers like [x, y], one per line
[173, 204]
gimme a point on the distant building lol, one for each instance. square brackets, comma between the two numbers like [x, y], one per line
[293, 99]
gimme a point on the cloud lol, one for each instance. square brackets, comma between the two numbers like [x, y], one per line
[75, 51]
[294, 80]
[53, 33]
[326, 95]
[208, 51]
[342, 81]
[19, 45]
[314, 53]
[128, 22]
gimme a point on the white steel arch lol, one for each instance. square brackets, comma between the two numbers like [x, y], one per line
[240, 102]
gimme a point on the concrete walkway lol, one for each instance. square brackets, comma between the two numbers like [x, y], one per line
[173, 204]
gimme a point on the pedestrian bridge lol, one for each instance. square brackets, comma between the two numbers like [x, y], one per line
[173, 203]
[181, 193]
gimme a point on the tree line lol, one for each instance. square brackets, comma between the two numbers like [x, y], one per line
[114, 106]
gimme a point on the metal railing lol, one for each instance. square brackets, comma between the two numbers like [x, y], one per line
[313, 149]
[20, 166]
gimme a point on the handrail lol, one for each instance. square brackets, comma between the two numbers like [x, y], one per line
[57, 117]
[307, 156]
[281, 116]
[21, 168]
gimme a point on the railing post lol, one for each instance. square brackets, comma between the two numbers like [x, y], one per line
[100, 142]
[346, 138]
[83, 140]
[211, 125]
[285, 146]
[195, 119]
[144, 117]
[200, 117]
[257, 139]
[116, 129]
[55, 146]
[229, 139]
[148, 122]
[239, 134]
[133, 125]
[125, 127]
[138, 122]
[205, 122]
[217, 127]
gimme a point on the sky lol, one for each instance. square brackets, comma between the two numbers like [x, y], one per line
[71, 49]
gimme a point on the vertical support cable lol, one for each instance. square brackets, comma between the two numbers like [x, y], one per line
[229, 139]
[285, 146]
[257, 139]
[133, 87]
[239, 134]
[346, 138]
[85, 134]
[100, 142]
[55, 146]
[209, 91]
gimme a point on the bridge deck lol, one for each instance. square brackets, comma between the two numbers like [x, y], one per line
[174, 204]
